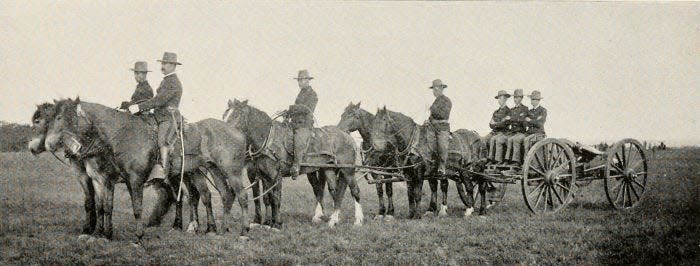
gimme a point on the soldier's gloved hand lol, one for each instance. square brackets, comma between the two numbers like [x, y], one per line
[125, 105]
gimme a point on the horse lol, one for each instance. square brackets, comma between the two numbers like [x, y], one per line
[414, 144]
[210, 145]
[271, 154]
[354, 118]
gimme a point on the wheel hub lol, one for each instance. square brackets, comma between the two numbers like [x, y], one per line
[551, 177]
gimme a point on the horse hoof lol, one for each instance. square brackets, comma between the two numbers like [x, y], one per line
[389, 218]
[266, 227]
[317, 220]
[91, 240]
[173, 231]
[243, 238]
[83, 238]
[254, 225]
[379, 217]
[428, 214]
[192, 227]
[468, 212]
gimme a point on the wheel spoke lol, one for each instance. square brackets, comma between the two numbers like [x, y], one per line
[619, 189]
[638, 184]
[535, 189]
[635, 164]
[552, 152]
[536, 170]
[537, 201]
[634, 191]
[539, 162]
[620, 161]
[624, 198]
[557, 194]
[557, 162]
[546, 196]
[632, 154]
[545, 158]
[625, 156]
[616, 176]
[562, 186]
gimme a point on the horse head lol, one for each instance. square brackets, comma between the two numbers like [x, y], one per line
[66, 121]
[237, 113]
[40, 123]
[382, 130]
[351, 119]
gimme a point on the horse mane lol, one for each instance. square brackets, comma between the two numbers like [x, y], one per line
[257, 113]
[400, 117]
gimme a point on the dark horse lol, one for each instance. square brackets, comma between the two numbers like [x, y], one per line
[210, 144]
[415, 146]
[270, 150]
[97, 177]
[354, 118]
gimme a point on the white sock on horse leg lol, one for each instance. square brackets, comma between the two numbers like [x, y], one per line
[335, 218]
[359, 215]
[318, 213]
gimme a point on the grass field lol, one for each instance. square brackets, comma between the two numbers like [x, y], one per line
[41, 216]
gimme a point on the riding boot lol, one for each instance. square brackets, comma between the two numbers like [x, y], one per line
[443, 141]
[298, 153]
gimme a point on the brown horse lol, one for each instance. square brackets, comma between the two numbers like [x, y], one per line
[96, 173]
[270, 150]
[354, 118]
[415, 146]
[209, 144]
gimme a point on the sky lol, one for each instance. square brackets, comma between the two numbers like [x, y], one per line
[607, 71]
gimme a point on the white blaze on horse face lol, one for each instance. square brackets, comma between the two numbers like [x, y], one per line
[227, 114]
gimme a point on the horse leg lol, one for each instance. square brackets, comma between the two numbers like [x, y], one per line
[411, 199]
[348, 175]
[482, 193]
[469, 195]
[136, 202]
[380, 196]
[200, 184]
[99, 202]
[336, 187]
[318, 183]
[235, 180]
[417, 194]
[227, 196]
[389, 187]
[89, 201]
[276, 204]
[432, 208]
[444, 186]
[253, 175]
[193, 196]
[108, 206]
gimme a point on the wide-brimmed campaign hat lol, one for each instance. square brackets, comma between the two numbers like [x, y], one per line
[536, 95]
[169, 57]
[437, 84]
[140, 66]
[502, 93]
[303, 74]
[518, 93]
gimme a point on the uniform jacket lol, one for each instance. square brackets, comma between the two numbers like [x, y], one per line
[168, 95]
[440, 110]
[498, 116]
[307, 97]
[143, 92]
[538, 116]
[517, 118]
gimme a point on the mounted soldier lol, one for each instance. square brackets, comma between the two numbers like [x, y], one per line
[143, 89]
[302, 117]
[499, 127]
[165, 105]
[535, 120]
[517, 127]
[439, 119]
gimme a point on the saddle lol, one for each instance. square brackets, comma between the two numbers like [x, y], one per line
[190, 132]
[320, 143]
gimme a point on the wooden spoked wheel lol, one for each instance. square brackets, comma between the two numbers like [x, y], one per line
[625, 174]
[549, 176]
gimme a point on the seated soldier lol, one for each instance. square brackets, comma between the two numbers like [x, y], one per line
[517, 128]
[143, 89]
[498, 124]
[302, 117]
[534, 121]
[439, 119]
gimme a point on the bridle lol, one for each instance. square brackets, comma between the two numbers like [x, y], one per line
[397, 132]
[250, 152]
